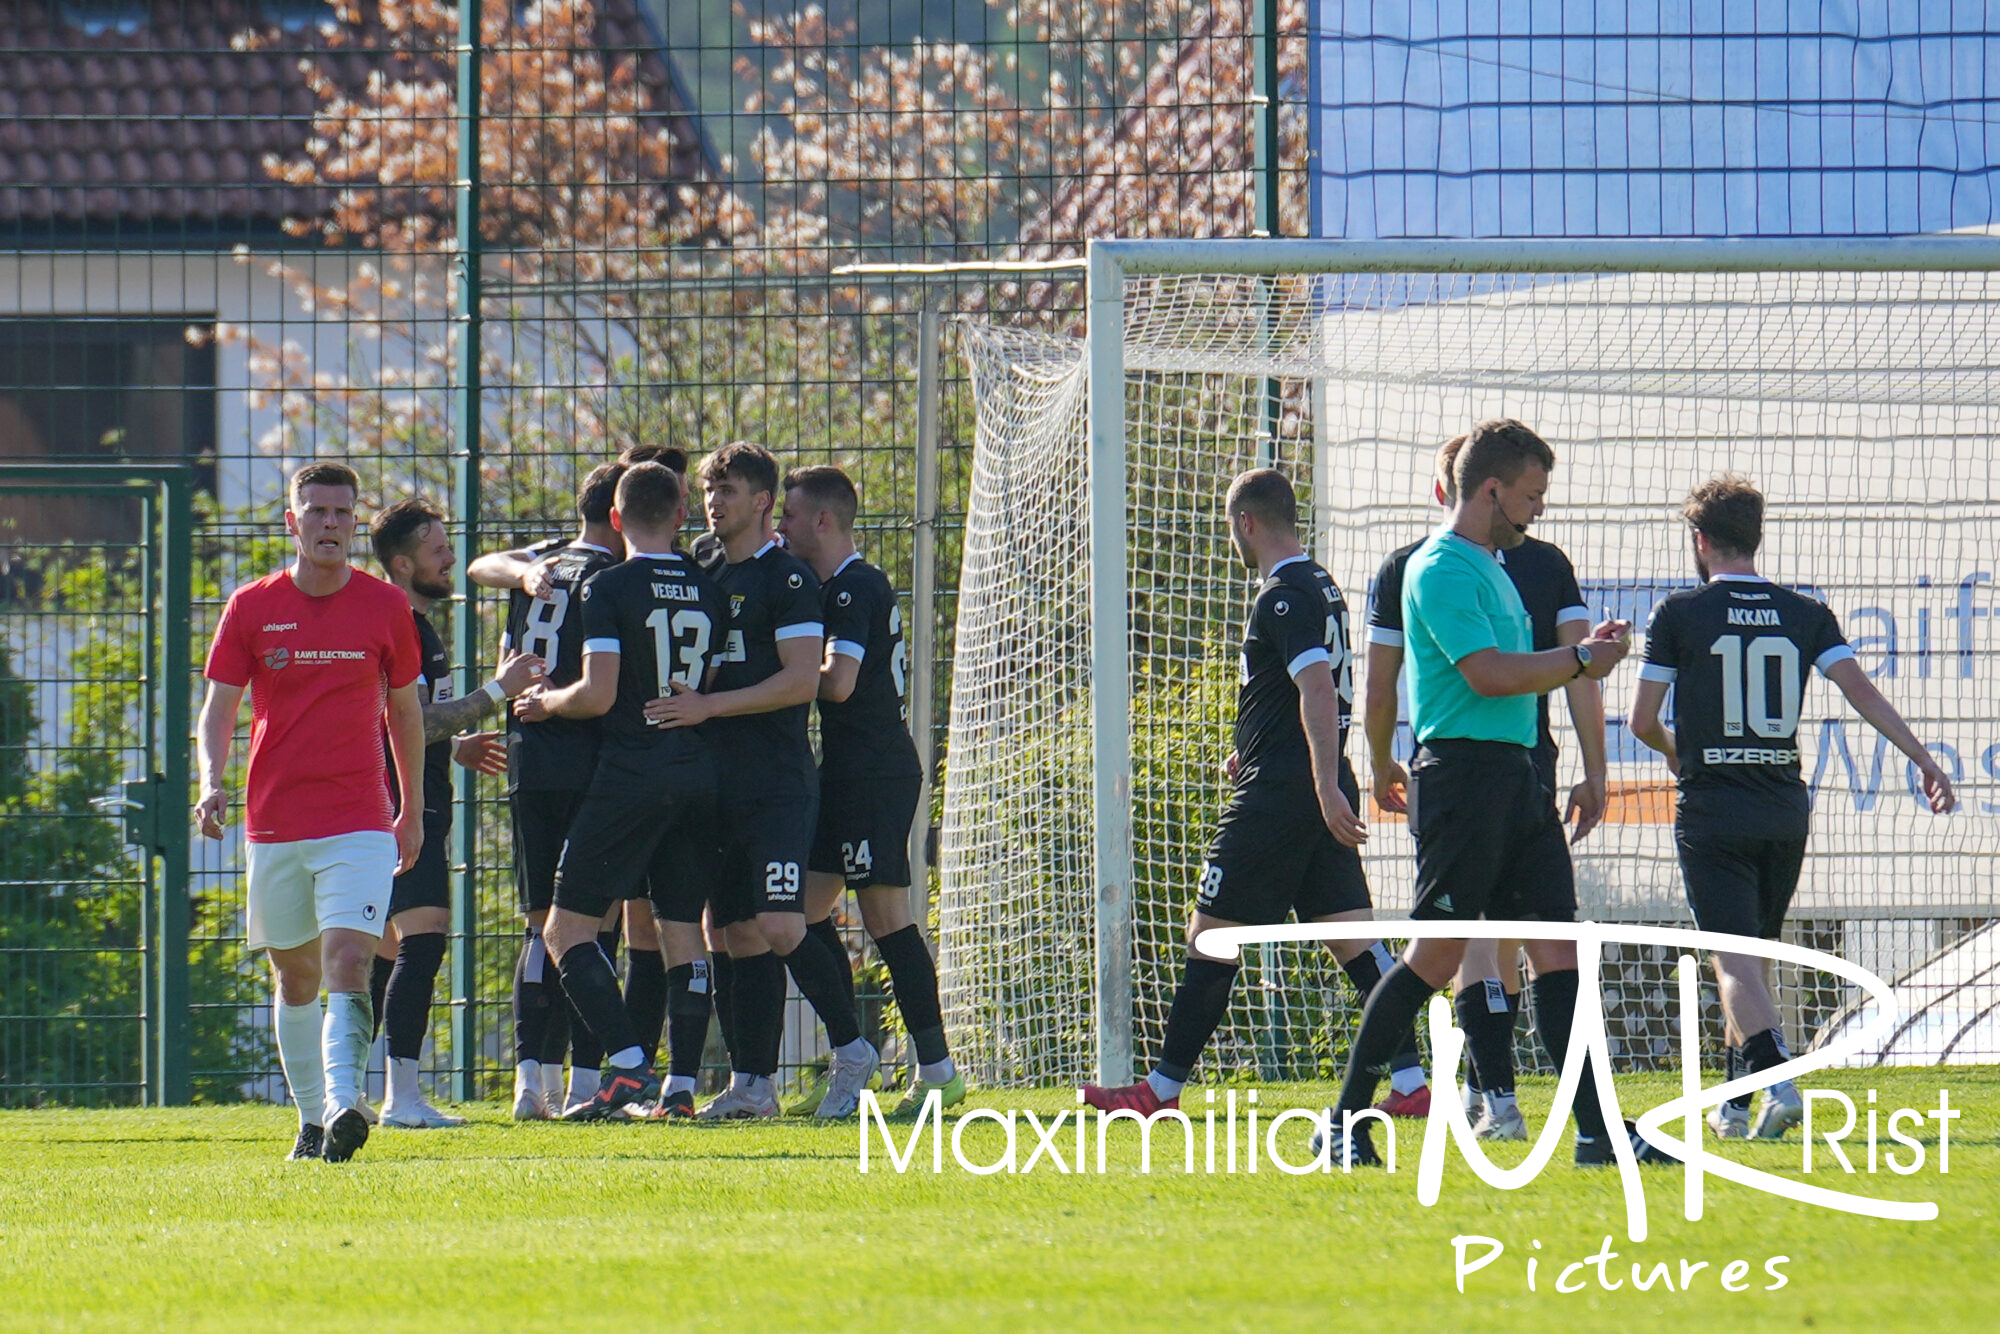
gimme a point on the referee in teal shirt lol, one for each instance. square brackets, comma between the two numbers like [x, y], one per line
[1489, 840]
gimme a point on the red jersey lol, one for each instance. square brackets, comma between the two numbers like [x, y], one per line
[319, 670]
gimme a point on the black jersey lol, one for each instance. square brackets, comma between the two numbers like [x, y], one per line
[556, 754]
[434, 686]
[867, 735]
[1541, 574]
[1737, 652]
[1299, 619]
[773, 596]
[664, 617]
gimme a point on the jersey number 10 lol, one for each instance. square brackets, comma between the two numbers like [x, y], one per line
[1748, 673]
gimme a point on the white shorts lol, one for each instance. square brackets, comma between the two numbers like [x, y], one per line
[298, 890]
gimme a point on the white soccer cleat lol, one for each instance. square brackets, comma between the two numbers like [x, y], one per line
[1783, 1108]
[845, 1079]
[1505, 1124]
[738, 1103]
[530, 1103]
[417, 1116]
[1729, 1121]
[368, 1114]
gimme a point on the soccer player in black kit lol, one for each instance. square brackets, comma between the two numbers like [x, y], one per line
[870, 777]
[1736, 652]
[1486, 991]
[414, 550]
[1288, 840]
[756, 714]
[650, 624]
[549, 765]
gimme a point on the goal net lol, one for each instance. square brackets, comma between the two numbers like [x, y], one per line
[1858, 391]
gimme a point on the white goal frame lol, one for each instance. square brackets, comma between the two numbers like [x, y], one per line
[1111, 261]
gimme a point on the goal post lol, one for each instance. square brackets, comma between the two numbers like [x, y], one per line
[1852, 377]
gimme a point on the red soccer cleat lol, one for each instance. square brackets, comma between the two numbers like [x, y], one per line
[1137, 1097]
[1416, 1105]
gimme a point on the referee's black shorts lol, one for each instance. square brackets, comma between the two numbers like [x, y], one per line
[636, 832]
[1737, 883]
[1489, 840]
[541, 822]
[1273, 855]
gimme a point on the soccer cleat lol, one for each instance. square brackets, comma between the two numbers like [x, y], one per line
[1508, 1124]
[738, 1103]
[1599, 1152]
[1783, 1108]
[307, 1144]
[1416, 1105]
[677, 1106]
[529, 1102]
[368, 1114]
[1729, 1121]
[1353, 1150]
[1137, 1097]
[817, 1080]
[423, 1116]
[1474, 1101]
[619, 1090]
[346, 1132]
[844, 1081]
[950, 1094]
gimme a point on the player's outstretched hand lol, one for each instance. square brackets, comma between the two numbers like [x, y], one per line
[1587, 801]
[1937, 788]
[1341, 819]
[1609, 642]
[686, 707]
[409, 836]
[481, 752]
[531, 705]
[1392, 787]
[539, 578]
[518, 671]
[208, 813]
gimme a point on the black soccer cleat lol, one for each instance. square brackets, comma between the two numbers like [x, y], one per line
[621, 1088]
[1600, 1151]
[307, 1144]
[345, 1134]
[676, 1106]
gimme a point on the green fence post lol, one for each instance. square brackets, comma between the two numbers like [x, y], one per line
[171, 791]
[465, 500]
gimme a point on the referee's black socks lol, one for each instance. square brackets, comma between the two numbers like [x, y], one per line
[1392, 1012]
[1489, 1034]
[1364, 970]
[1555, 1012]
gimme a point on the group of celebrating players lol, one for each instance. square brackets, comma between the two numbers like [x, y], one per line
[663, 787]
[661, 780]
[1488, 622]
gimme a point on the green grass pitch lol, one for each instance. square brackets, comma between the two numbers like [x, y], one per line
[188, 1220]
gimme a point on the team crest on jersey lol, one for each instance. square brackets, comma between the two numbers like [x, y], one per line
[277, 658]
[735, 605]
[794, 581]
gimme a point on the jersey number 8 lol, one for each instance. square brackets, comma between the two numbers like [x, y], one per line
[545, 618]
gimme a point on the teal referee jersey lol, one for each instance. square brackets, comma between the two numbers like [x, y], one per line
[1457, 600]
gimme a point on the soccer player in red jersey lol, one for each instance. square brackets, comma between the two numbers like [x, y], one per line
[327, 653]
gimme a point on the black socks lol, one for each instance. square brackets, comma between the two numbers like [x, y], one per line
[406, 1001]
[759, 989]
[913, 976]
[646, 997]
[1199, 1004]
[1392, 1011]
[827, 981]
[593, 990]
[688, 1008]
[1489, 1036]
[1555, 1011]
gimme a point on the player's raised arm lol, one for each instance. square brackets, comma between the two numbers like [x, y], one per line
[215, 733]
[1882, 716]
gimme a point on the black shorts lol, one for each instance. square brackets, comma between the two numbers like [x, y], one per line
[1273, 854]
[863, 833]
[640, 832]
[541, 826]
[1489, 840]
[1738, 883]
[761, 859]
[428, 883]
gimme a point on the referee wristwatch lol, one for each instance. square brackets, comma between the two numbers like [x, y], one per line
[1582, 659]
